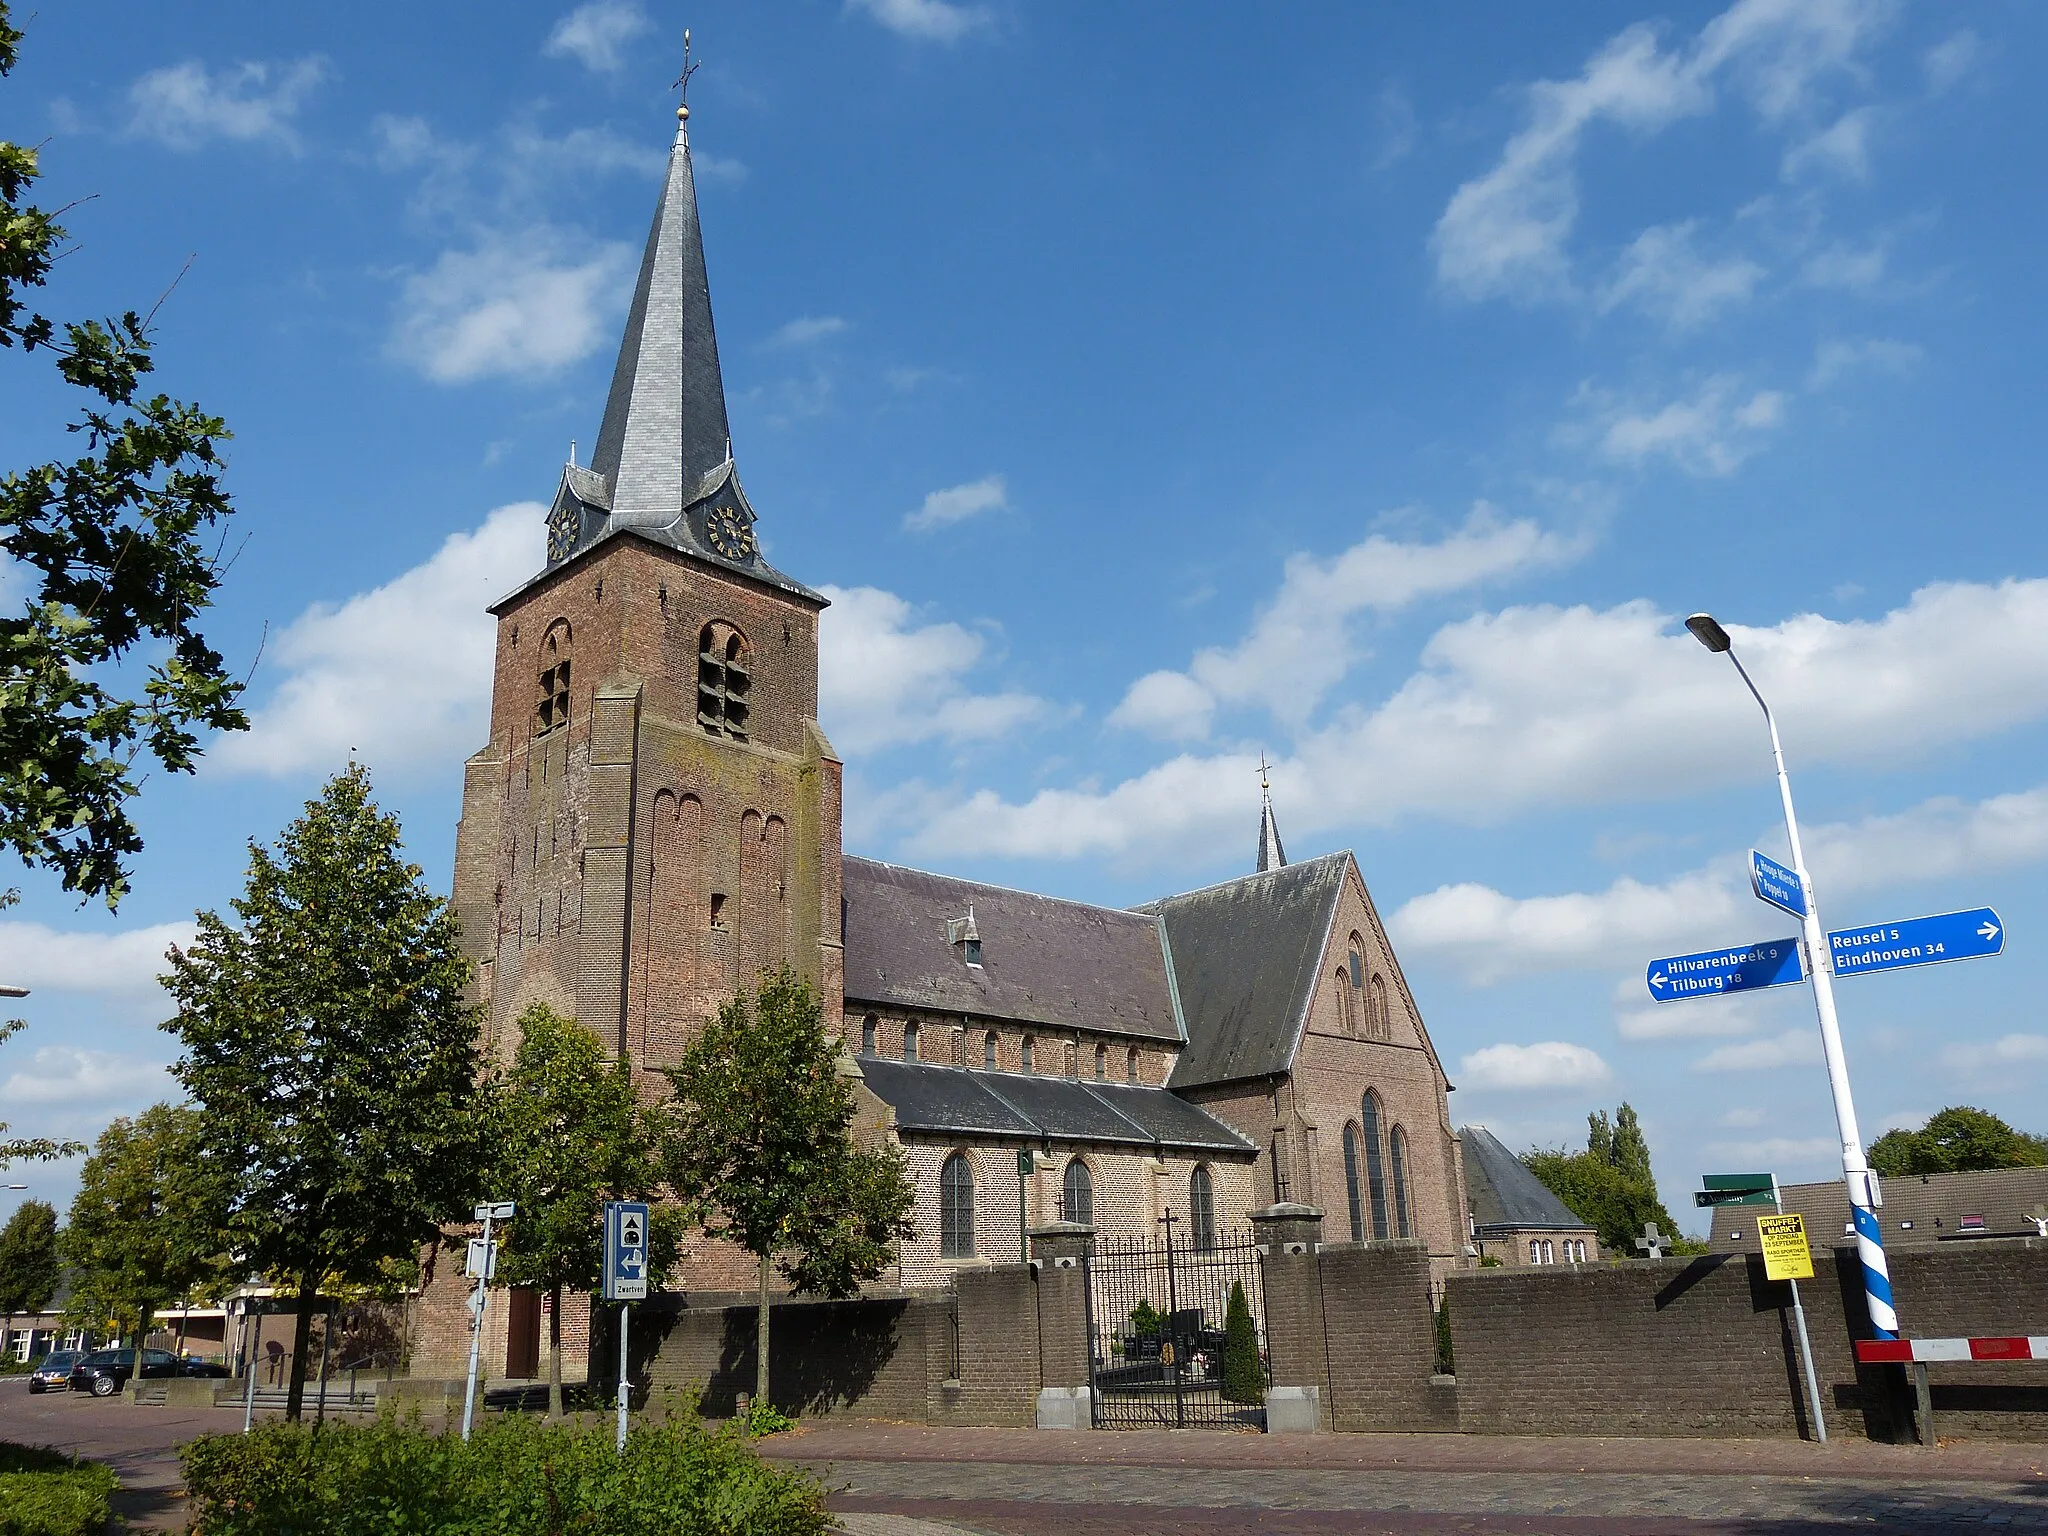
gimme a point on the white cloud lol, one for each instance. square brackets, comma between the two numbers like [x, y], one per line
[1709, 433]
[1834, 361]
[1948, 61]
[957, 503]
[596, 34]
[1794, 1048]
[1505, 233]
[1852, 268]
[1547, 1064]
[519, 304]
[1663, 273]
[1300, 643]
[1996, 1057]
[49, 960]
[931, 20]
[1841, 149]
[886, 681]
[400, 674]
[1776, 1151]
[185, 105]
[1743, 1119]
[1545, 706]
[805, 329]
[68, 1076]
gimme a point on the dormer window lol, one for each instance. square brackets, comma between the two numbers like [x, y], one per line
[972, 949]
[961, 933]
[723, 681]
[553, 711]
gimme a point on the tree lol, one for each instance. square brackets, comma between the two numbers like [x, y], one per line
[28, 1260]
[329, 1044]
[1610, 1185]
[147, 1225]
[1244, 1376]
[572, 1134]
[758, 1142]
[114, 549]
[1960, 1139]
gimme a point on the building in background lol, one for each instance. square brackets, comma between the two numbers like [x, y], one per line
[1922, 1208]
[1515, 1219]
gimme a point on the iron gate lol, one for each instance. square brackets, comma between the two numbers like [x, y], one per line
[1158, 1342]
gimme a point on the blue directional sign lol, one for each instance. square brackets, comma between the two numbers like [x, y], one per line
[1971, 935]
[625, 1250]
[1740, 968]
[1774, 883]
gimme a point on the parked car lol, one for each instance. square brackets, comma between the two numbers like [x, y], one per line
[106, 1371]
[52, 1373]
[192, 1365]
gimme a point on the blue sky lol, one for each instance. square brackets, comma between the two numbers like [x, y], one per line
[1153, 386]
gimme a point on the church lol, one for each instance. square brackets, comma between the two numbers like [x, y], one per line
[655, 821]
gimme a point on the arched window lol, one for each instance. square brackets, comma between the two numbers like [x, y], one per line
[1131, 1065]
[1077, 1194]
[553, 711]
[1347, 1015]
[910, 1042]
[1397, 1150]
[867, 1035]
[956, 1208]
[1549, 1253]
[723, 681]
[988, 1050]
[1351, 1187]
[1202, 1210]
[1101, 1063]
[1376, 1006]
[1354, 975]
[1026, 1052]
[1375, 1165]
[1535, 1251]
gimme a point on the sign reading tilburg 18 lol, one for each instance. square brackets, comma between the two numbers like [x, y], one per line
[1783, 1240]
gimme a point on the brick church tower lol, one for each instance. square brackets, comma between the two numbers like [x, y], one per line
[655, 820]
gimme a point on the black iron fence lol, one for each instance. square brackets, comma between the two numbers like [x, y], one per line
[1163, 1348]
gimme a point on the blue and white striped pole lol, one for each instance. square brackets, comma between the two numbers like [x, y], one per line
[1863, 1194]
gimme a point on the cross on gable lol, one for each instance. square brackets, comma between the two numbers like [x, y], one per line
[2039, 1217]
[1652, 1242]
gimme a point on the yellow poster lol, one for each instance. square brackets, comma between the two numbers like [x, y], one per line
[1786, 1256]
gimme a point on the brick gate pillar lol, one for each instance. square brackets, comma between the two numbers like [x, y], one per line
[1057, 1252]
[1287, 1236]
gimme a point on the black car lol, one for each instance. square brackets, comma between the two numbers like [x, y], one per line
[106, 1371]
[53, 1371]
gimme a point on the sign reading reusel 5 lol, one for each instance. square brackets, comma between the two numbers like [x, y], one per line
[1783, 1238]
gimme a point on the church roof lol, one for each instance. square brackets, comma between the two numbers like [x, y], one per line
[663, 460]
[955, 1101]
[1502, 1190]
[1061, 964]
[1246, 956]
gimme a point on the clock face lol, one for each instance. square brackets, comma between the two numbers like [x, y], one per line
[727, 529]
[563, 526]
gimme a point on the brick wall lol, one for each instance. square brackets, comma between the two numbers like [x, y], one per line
[1379, 1334]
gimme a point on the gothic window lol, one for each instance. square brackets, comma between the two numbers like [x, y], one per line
[1026, 1052]
[1357, 1011]
[1375, 1165]
[723, 681]
[1202, 1210]
[1077, 1194]
[1073, 1058]
[1397, 1155]
[1382, 1026]
[1351, 1188]
[1131, 1065]
[988, 1050]
[910, 1042]
[1346, 1007]
[956, 1208]
[1101, 1063]
[867, 1035]
[553, 711]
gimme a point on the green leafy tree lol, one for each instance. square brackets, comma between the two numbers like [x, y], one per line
[28, 1259]
[328, 1041]
[1610, 1185]
[572, 1134]
[1960, 1139]
[758, 1141]
[147, 1226]
[117, 548]
[1244, 1376]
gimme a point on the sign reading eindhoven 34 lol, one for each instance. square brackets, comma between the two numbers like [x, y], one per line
[1783, 1240]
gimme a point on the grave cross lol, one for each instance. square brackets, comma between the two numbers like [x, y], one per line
[1652, 1241]
[2039, 1217]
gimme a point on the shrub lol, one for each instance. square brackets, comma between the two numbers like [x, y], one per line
[43, 1493]
[1244, 1376]
[1446, 1361]
[515, 1477]
[766, 1419]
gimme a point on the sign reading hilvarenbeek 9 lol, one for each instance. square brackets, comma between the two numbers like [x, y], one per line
[1740, 968]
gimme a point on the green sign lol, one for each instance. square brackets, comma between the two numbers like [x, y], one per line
[1024, 1164]
[1737, 1189]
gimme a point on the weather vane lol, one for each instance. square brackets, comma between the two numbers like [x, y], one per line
[683, 80]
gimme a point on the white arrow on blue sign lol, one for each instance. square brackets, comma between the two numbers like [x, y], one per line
[1739, 968]
[1975, 934]
[625, 1250]
[1774, 883]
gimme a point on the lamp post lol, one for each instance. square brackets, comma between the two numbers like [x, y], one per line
[1877, 1283]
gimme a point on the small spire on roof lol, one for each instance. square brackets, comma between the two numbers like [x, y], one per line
[1271, 854]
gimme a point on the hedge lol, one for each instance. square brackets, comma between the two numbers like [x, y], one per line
[43, 1493]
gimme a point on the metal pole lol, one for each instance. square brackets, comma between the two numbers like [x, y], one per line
[1877, 1282]
[476, 1328]
[1180, 1407]
[625, 1387]
[250, 1346]
[1820, 1423]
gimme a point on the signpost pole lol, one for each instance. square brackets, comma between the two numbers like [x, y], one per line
[1877, 1283]
[625, 1390]
[1820, 1423]
[476, 1328]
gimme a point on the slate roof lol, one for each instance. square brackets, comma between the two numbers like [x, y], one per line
[1935, 1204]
[1246, 955]
[1062, 964]
[954, 1101]
[1504, 1193]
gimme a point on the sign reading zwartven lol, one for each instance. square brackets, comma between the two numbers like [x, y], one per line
[1783, 1238]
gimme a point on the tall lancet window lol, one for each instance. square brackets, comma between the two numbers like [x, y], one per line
[1375, 1162]
[723, 681]
[553, 711]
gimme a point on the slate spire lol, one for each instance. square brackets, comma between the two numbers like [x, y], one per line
[664, 431]
[1271, 854]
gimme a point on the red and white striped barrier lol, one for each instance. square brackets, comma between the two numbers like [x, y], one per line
[1919, 1351]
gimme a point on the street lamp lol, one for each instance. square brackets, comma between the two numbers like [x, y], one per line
[1877, 1283]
